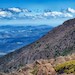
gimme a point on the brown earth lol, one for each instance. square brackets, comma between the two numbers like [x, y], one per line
[43, 67]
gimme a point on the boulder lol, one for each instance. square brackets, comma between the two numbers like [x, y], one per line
[59, 60]
[46, 69]
[68, 58]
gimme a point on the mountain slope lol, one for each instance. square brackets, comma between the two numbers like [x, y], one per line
[62, 65]
[59, 41]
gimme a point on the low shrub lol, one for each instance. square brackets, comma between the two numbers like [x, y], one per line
[67, 67]
[35, 70]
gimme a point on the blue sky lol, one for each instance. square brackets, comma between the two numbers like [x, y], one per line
[36, 4]
[36, 12]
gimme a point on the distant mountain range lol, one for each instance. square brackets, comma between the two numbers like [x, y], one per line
[15, 37]
[58, 41]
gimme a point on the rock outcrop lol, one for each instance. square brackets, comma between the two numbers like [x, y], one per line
[48, 67]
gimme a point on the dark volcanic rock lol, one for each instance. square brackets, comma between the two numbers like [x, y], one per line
[59, 41]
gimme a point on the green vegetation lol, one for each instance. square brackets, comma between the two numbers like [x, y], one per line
[68, 50]
[47, 46]
[35, 70]
[20, 65]
[37, 45]
[57, 53]
[67, 67]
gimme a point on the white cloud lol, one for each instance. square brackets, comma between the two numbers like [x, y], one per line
[5, 14]
[24, 15]
[71, 10]
[68, 15]
[54, 13]
[57, 14]
[15, 9]
[28, 14]
[25, 10]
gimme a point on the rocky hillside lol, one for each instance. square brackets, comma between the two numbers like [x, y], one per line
[62, 65]
[59, 41]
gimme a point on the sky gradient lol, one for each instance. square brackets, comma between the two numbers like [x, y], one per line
[36, 12]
